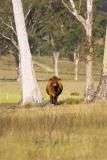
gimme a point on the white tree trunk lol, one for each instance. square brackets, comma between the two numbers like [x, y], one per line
[76, 70]
[101, 92]
[56, 58]
[30, 90]
[76, 61]
[105, 56]
[89, 92]
[87, 24]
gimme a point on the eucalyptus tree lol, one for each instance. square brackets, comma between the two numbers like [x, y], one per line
[49, 21]
[30, 90]
[101, 92]
[51, 29]
[87, 24]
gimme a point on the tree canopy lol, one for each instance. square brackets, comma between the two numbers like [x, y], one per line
[47, 19]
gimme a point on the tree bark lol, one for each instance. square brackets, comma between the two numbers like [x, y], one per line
[101, 92]
[56, 58]
[89, 92]
[76, 70]
[76, 61]
[89, 85]
[30, 90]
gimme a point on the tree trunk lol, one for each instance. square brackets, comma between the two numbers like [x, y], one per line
[19, 69]
[89, 85]
[87, 24]
[76, 70]
[101, 92]
[89, 92]
[76, 61]
[30, 90]
[56, 58]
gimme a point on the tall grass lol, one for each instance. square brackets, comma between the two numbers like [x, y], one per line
[77, 132]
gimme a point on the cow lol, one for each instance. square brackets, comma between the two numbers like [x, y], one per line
[54, 89]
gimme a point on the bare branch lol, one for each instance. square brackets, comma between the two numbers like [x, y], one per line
[10, 26]
[74, 11]
[73, 5]
[11, 40]
[80, 2]
[89, 11]
[27, 14]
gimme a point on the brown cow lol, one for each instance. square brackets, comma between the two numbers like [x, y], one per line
[54, 89]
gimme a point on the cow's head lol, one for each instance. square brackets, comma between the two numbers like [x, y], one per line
[54, 81]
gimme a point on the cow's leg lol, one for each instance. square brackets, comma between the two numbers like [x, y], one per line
[52, 100]
[55, 100]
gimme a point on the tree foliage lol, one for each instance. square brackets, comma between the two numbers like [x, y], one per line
[49, 18]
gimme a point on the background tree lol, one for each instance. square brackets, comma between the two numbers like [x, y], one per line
[45, 18]
[54, 31]
[87, 24]
[101, 93]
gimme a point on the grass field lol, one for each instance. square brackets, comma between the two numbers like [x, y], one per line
[10, 89]
[68, 131]
[77, 132]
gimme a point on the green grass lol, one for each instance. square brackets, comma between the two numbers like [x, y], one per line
[11, 91]
[65, 132]
[9, 98]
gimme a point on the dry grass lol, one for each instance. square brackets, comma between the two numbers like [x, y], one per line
[64, 132]
[77, 132]
[66, 68]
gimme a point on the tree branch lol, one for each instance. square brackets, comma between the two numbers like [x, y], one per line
[74, 11]
[89, 11]
[11, 40]
[27, 14]
[10, 26]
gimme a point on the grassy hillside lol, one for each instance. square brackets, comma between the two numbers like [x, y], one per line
[10, 89]
[66, 68]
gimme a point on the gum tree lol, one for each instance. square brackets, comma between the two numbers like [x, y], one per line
[30, 90]
[101, 93]
[87, 24]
